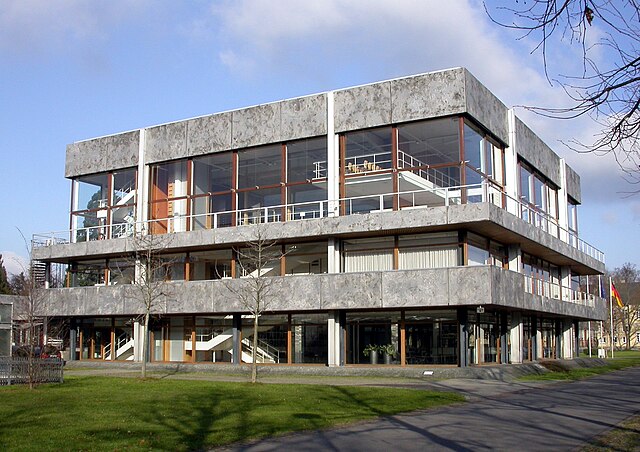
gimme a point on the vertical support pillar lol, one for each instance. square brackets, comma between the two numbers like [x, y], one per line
[333, 160]
[504, 330]
[237, 339]
[333, 256]
[536, 340]
[576, 332]
[47, 275]
[334, 331]
[138, 341]
[559, 330]
[73, 341]
[516, 333]
[463, 337]
[569, 339]
[343, 338]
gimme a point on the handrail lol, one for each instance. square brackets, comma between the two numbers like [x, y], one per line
[444, 196]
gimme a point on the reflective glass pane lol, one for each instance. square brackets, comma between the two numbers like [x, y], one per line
[307, 159]
[259, 166]
[431, 142]
[92, 192]
[124, 188]
[169, 180]
[212, 173]
[368, 150]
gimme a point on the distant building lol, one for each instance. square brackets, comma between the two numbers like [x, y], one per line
[6, 308]
[418, 213]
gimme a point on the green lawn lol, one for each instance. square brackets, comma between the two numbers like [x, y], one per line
[621, 360]
[103, 413]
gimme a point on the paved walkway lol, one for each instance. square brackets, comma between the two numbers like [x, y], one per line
[500, 416]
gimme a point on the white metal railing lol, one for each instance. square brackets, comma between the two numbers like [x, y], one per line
[557, 291]
[439, 196]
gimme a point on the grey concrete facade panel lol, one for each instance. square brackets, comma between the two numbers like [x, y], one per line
[430, 288]
[209, 134]
[415, 288]
[102, 154]
[573, 184]
[304, 117]
[469, 286]
[428, 96]
[535, 151]
[486, 108]
[256, 126]
[167, 142]
[363, 107]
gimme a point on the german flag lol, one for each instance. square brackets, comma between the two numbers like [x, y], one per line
[616, 296]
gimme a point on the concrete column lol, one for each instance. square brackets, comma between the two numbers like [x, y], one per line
[536, 339]
[576, 332]
[343, 330]
[563, 201]
[138, 341]
[333, 256]
[73, 340]
[559, 333]
[47, 275]
[143, 180]
[237, 339]
[463, 337]
[514, 254]
[334, 331]
[504, 330]
[568, 339]
[333, 160]
[516, 333]
[511, 166]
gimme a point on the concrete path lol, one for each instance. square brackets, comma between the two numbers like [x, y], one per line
[499, 416]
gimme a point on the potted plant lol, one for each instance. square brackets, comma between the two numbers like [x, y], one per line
[389, 351]
[372, 352]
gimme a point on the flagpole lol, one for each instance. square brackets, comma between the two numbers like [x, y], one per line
[611, 314]
[600, 341]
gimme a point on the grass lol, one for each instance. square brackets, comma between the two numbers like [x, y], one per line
[105, 413]
[625, 436]
[621, 360]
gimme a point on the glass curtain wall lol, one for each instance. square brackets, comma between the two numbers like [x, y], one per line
[416, 159]
[431, 337]
[371, 330]
[104, 205]
[309, 338]
[241, 187]
[436, 250]
[539, 200]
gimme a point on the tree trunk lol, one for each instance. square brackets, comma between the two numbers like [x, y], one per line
[254, 364]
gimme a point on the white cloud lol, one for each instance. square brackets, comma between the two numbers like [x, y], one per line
[14, 263]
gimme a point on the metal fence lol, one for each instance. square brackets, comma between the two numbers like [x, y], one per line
[16, 370]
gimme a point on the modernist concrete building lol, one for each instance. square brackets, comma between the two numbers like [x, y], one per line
[418, 213]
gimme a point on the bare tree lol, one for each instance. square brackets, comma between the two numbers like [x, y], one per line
[28, 311]
[150, 286]
[606, 87]
[254, 261]
[627, 318]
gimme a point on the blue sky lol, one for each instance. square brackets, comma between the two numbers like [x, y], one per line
[77, 69]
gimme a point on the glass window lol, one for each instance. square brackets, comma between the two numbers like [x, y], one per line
[121, 271]
[92, 192]
[306, 259]
[368, 254]
[259, 167]
[474, 149]
[307, 159]
[124, 188]
[169, 180]
[212, 174]
[309, 338]
[214, 264]
[477, 250]
[368, 150]
[525, 190]
[428, 251]
[431, 143]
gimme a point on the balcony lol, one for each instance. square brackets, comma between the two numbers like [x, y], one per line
[424, 198]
